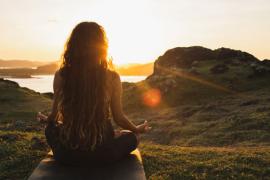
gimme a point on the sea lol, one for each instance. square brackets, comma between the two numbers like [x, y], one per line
[44, 83]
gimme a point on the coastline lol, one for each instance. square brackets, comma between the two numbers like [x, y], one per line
[43, 83]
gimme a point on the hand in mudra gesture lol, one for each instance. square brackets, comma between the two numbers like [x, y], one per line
[41, 117]
[143, 128]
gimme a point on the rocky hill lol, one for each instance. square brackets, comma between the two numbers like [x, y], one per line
[197, 97]
[47, 69]
[196, 59]
[197, 74]
[20, 63]
[28, 72]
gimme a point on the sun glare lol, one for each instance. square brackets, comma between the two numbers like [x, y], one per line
[152, 97]
[138, 31]
[133, 32]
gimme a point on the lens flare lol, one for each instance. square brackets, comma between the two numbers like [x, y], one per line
[152, 97]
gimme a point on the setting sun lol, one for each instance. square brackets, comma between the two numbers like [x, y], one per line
[138, 31]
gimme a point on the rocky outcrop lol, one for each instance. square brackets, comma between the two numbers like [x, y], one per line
[259, 69]
[189, 57]
[196, 74]
[182, 57]
[265, 62]
[194, 60]
[231, 55]
[196, 71]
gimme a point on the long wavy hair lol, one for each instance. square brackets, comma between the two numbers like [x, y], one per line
[81, 106]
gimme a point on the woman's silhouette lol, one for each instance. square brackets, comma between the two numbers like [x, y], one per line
[86, 93]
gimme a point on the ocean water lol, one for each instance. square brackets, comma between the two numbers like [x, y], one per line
[44, 83]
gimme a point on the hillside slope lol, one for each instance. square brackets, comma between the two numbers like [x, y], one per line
[194, 74]
[22, 144]
[202, 97]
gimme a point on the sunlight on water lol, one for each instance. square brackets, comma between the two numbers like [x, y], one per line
[44, 83]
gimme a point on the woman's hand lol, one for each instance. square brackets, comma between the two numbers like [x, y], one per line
[41, 117]
[143, 128]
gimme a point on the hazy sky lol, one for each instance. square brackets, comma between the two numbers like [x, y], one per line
[139, 30]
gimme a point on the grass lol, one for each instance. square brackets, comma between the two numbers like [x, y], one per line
[175, 162]
[227, 138]
[18, 153]
[227, 121]
[22, 143]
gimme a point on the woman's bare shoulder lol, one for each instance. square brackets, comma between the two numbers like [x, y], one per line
[113, 75]
[58, 75]
[57, 82]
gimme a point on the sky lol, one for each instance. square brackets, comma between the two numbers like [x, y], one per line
[138, 31]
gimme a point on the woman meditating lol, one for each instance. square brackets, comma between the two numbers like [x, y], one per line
[79, 129]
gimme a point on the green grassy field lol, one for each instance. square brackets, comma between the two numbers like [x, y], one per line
[175, 162]
[218, 147]
[22, 143]
[20, 152]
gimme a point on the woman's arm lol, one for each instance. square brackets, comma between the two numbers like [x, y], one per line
[57, 83]
[56, 88]
[117, 111]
